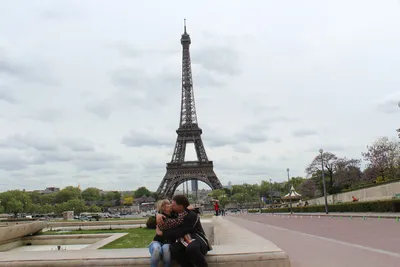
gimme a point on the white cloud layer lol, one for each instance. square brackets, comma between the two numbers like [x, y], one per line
[90, 91]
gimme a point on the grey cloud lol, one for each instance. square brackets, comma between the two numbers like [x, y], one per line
[82, 160]
[137, 138]
[142, 89]
[51, 156]
[47, 145]
[11, 68]
[206, 79]
[223, 60]
[129, 50]
[102, 109]
[239, 167]
[330, 148]
[242, 149]
[127, 78]
[45, 172]
[19, 141]
[24, 71]
[304, 132]
[45, 115]
[12, 162]
[390, 104]
[251, 134]
[98, 162]
[93, 165]
[78, 144]
[7, 96]
[58, 10]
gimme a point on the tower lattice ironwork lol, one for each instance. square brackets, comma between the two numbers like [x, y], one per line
[179, 170]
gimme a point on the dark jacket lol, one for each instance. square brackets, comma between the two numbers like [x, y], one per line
[190, 225]
[162, 239]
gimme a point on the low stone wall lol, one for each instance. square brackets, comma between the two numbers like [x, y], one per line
[94, 223]
[13, 231]
[380, 192]
[63, 239]
[233, 247]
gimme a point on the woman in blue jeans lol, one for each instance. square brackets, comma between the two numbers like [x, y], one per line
[159, 247]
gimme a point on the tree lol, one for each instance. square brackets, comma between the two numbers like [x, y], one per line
[265, 188]
[240, 197]
[14, 206]
[91, 194]
[128, 200]
[76, 205]
[384, 157]
[217, 193]
[94, 208]
[308, 188]
[330, 161]
[68, 193]
[237, 189]
[142, 191]
[348, 173]
[17, 195]
[48, 199]
[296, 181]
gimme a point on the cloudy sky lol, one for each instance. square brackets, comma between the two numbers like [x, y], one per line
[90, 90]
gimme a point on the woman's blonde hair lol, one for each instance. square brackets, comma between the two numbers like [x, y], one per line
[161, 205]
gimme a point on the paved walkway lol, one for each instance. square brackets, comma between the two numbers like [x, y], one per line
[344, 214]
[329, 242]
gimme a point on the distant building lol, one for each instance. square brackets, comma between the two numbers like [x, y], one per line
[48, 190]
[68, 215]
[195, 185]
[229, 186]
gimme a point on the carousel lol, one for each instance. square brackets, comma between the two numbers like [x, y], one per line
[293, 195]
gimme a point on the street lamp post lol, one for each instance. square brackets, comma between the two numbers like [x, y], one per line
[321, 151]
[270, 190]
[398, 130]
[290, 190]
[270, 195]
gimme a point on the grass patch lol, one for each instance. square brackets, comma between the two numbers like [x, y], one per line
[103, 219]
[136, 237]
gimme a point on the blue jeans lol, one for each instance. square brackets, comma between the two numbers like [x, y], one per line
[158, 251]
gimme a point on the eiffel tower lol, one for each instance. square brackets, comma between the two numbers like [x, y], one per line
[178, 170]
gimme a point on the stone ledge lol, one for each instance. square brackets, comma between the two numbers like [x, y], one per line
[16, 231]
[95, 223]
[233, 246]
[127, 257]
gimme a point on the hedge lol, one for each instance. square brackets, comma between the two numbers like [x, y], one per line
[375, 206]
[151, 222]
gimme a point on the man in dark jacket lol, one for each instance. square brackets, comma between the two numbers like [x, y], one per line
[191, 242]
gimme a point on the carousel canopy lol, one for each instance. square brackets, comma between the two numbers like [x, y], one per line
[292, 194]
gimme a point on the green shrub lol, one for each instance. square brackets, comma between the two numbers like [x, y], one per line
[151, 222]
[253, 211]
[375, 206]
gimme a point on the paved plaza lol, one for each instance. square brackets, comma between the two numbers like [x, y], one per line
[330, 242]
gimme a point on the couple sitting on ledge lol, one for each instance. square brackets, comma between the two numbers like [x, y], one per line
[179, 235]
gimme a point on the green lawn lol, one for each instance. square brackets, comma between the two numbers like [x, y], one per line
[136, 237]
[103, 219]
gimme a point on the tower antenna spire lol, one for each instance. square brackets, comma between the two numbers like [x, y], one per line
[184, 25]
